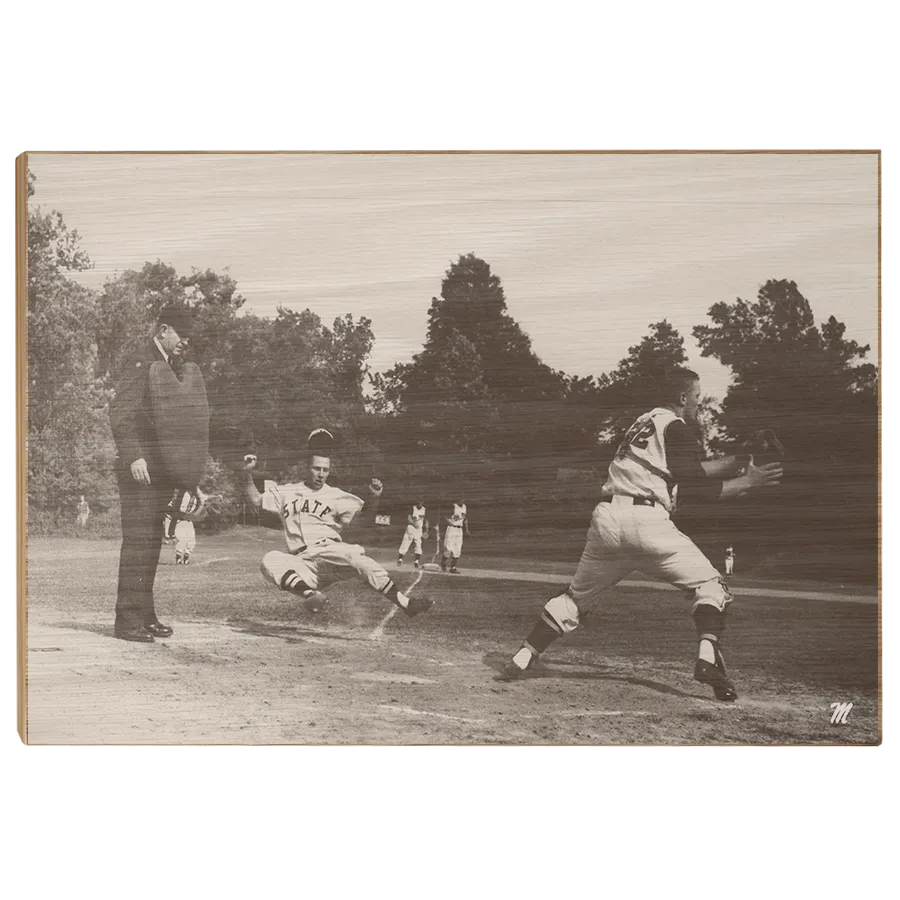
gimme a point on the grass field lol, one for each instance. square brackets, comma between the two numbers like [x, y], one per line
[247, 666]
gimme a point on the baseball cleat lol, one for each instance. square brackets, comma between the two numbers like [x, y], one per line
[416, 605]
[314, 601]
[716, 677]
[454, 571]
[512, 671]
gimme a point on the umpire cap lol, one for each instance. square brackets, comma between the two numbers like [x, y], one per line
[181, 318]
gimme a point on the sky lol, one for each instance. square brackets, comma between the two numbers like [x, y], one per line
[590, 248]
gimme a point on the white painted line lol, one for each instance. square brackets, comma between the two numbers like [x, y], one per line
[378, 631]
[738, 589]
[209, 562]
[391, 678]
[747, 591]
[431, 659]
[418, 579]
[409, 711]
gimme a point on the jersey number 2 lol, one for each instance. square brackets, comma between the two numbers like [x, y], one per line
[642, 438]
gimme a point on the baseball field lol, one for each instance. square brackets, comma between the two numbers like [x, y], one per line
[246, 665]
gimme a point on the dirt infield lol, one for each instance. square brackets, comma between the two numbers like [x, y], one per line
[245, 666]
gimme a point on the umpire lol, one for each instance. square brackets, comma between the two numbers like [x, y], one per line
[147, 480]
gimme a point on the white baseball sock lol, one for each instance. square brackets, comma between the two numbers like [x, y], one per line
[523, 658]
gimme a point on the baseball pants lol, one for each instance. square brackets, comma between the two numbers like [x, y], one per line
[411, 537]
[624, 538]
[729, 567]
[453, 541]
[185, 537]
[276, 564]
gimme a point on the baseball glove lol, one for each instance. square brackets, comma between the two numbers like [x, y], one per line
[765, 447]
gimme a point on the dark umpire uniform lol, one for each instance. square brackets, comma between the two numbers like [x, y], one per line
[143, 505]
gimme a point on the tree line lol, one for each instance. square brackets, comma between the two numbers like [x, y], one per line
[474, 411]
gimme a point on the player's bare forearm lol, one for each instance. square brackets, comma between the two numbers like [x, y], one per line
[726, 467]
[734, 487]
[253, 495]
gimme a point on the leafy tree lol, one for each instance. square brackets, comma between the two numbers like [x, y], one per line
[69, 444]
[810, 385]
[464, 388]
[271, 381]
[473, 303]
[805, 382]
[127, 309]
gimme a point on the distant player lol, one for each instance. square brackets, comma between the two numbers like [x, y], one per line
[456, 523]
[416, 524]
[729, 561]
[313, 514]
[179, 530]
[185, 541]
[631, 528]
[84, 512]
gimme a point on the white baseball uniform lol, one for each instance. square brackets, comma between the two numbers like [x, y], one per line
[453, 533]
[729, 560]
[631, 528]
[185, 537]
[312, 522]
[413, 533]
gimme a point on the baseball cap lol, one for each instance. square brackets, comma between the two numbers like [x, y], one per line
[181, 318]
[321, 442]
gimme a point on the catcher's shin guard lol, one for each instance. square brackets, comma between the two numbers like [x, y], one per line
[710, 623]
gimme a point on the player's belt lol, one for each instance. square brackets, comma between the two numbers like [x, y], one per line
[451, 525]
[306, 547]
[636, 501]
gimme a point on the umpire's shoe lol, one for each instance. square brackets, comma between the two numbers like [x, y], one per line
[138, 634]
[716, 677]
[158, 630]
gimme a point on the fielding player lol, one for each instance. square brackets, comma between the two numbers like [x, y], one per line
[729, 561]
[457, 522]
[416, 524]
[631, 528]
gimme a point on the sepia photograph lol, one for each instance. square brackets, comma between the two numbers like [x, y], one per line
[463, 448]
